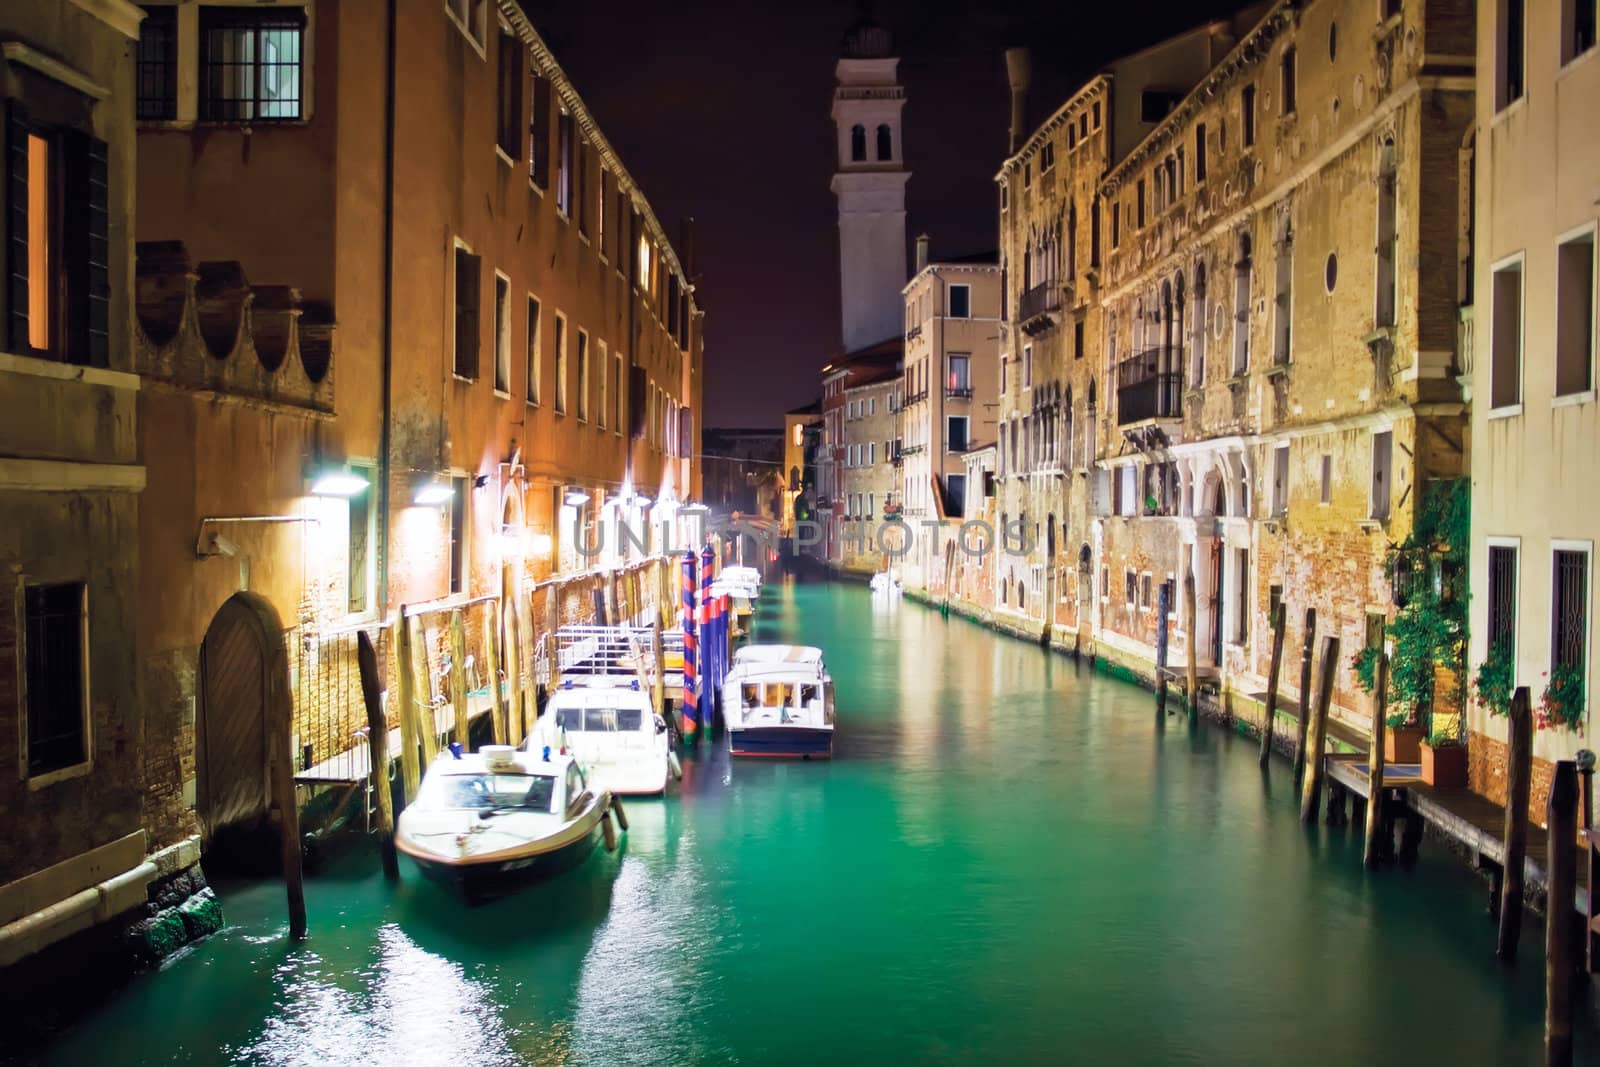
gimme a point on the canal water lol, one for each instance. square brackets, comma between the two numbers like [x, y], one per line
[1009, 860]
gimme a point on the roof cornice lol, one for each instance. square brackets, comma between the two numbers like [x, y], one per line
[1095, 89]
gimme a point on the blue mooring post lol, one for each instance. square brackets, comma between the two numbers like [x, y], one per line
[1163, 608]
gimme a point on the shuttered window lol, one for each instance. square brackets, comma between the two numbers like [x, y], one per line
[55, 645]
[468, 296]
[1502, 614]
[1571, 602]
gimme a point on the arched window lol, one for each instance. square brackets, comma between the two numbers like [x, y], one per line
[1088, 429]
[1072, 443]
[1072, 241]
[1179, 300]
[885, 143]
[1165, 359]
[858, 143]
[1384, 312]
[1241, 307]
[1197, 356]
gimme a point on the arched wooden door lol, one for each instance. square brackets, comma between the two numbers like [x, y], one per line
[231, 786]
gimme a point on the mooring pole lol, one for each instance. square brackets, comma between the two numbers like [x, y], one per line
[1163, 609]
[1311, 796]
[1379, 839]
[1305, 693]
[410, 772]
[280, 753]
[1273, 672]
[378, 750]
[491, 666]
[1559, 965]
[458, 679]
[1191, 671]
[1519, 773]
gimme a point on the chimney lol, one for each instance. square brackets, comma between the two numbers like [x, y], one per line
[922, 252]
[1019, 72]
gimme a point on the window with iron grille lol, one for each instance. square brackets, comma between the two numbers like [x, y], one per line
[250, 63]
[1571, 601]
[54, 642]
[156, 65]
[1502, 615]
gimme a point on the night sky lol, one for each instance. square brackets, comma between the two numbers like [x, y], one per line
[721, 112]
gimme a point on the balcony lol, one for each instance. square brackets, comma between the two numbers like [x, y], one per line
[958, 392]
[916, 398]
[1039, 307]
[910, 450]
[1144, 391]
[914, 333]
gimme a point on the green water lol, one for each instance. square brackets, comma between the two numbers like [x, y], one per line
[1008, 860]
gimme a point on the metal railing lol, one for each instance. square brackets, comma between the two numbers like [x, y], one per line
[1040, 300]
[914, 332]
[1144, 391]
[959, 392]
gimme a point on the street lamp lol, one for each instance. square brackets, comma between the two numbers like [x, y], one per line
[338, 481]
[433, 492]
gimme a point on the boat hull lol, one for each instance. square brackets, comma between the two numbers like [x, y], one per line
[782, 742]
[478, 883]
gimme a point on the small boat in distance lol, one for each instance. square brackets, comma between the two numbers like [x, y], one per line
[610, 726]
[487, 823]
[886, 583]
[778, 703]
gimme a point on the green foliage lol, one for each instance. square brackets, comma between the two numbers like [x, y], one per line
[1495, 679]
[1428, 570]
[1443, 739]
[1563, 701]
[1396, 719]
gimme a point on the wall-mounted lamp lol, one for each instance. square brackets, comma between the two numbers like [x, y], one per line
[337, 481]
[480, 481]
[541, 545]
[576, 498]
[433, 492]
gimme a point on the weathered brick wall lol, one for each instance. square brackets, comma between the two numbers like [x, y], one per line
[1486, 774]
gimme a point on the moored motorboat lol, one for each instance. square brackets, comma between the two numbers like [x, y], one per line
[487, 823]
[610, 726]
[886, 583]
[778, 703]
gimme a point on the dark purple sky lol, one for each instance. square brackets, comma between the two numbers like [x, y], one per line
[721, 111]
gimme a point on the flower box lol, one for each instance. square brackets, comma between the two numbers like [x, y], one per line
[1445, 766]
[1402, 744]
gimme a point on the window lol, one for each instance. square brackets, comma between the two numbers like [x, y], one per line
[1197, 360]
[1139, 206]
[1241, 307]
[1570, 602]
[1097, 114]
[156, 68]
[1502, 606]
[1282, 304]
[583, 376]
[1155, 105]
[885, 143]
[473, 18]
[56, 676]
[580, 179]
[1327, 478]
[960, 380]
[1027, 366]
[616, 392]
[956, 433]
[458, 533]
[1382, 474]
[561, 363]
[1287, 79]
[1509, 53]
[960, 301]
[605, 398]
[509, 90]
[1027, 175]
[361, 531]
[1199, 152]
[1274, 600]
[468, 287]
[1127, 488]
[1077, 339]
[1105, 583]
[539, 133]
[1094, 231]
[858, 143]
[1280, 480]
[1047, 156]
[1241, 600]
[1577, 28]
[502, 334]
[534, 366]
[1575, 314]
[1116, 224]
[1388, 241]
[1130, 588]
[1247, 108]
[1505, 338]
[250, 63]
[564, 163]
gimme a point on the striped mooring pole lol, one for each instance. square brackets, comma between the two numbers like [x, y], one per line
[690, 719]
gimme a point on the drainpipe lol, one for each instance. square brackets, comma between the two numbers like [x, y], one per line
[386, 341]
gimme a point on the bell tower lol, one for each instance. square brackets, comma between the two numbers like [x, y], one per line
[870, 184]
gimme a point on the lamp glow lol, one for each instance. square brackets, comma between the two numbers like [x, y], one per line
[338, 483]
[433, 493]
[576, 497]
[542, 545]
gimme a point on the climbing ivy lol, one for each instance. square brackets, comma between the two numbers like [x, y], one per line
[1428, 571]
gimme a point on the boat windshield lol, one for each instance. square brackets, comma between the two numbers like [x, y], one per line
[777, 695]
[487, 791]
[600, 720]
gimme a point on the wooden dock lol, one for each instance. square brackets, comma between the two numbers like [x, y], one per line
[354, 765]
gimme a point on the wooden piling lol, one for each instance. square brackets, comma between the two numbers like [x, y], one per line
[1561, 815]
[406, 697]
[1191, 671]
[1311, 795]
[458, 680]
[1519, 776]
[280, 755]
[658, 683]
[511, 643]
[427, 725]
[1273, 673]
[378, 750]
[1379, 842]
[552, 625]
[1163, 610]
[1305, 692]
[492, 658]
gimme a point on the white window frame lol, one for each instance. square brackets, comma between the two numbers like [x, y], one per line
[1561, 544]
[967, 434]
[1515, 544]
[1519, 260]
[1591, 231]
[949, 300]
[86, 766]
[1372, 488]
[1027, 366]
[1280, 485]
[563, 329]
[533, 362]
[458, 245]
[465, 12]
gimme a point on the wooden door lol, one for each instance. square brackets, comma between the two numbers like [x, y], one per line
[230, 728]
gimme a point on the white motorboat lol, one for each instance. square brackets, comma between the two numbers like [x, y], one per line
[885, 582]
[609, 725]
[486, 823]
[778, 703]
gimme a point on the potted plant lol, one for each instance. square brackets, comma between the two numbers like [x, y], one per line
[1563, 702]
[1402, 737]
[1444, 761]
